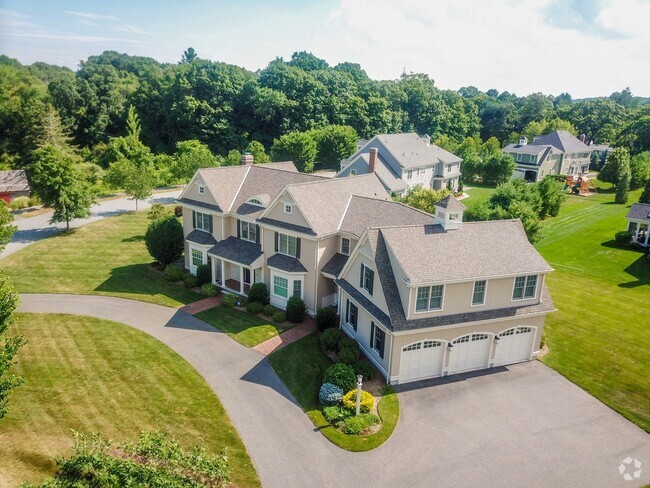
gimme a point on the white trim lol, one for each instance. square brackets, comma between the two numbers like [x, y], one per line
[523, 296]
[288, 208]
[243, 180]
[484, 295]
[429, 310]
[197, 208]
[532, 346]
[345, 211]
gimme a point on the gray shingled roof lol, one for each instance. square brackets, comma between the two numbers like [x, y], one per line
[527, 149]
[370, 307]
[451, 203]
[411, 151]
[335, 265]
[563, 140]
[286, 225]
[13, 180]
[285, 263]
[200, 237]
[386, 174]
[323, 203]
[365, 212]
[196, 203]
[398, 320]
[639, 211]
[237, 250]
[476, 250]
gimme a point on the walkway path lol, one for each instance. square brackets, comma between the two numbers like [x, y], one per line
[523, 425]
[32, 229]
[290, 336]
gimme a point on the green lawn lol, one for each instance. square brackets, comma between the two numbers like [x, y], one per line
[245, 328]
[478, 193]
[104, 258]
[600, 337]
[301, 366]
[93, 375]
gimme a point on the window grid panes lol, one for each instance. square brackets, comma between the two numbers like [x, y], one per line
[379, 339]
[197, 258]
[297, 288]
[345, 246]
[288, 208]
[353, 313]
[525, 287]
[203, 221]
[435, 302]
[248, 231]
[429, 298]
[287, 245]
[412, 347]
[478, 298]
[280, 286]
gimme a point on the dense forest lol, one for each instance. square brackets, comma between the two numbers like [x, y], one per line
[195, 103]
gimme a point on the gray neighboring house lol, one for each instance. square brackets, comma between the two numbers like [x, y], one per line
[557, 153]
[404, 161]
[638, 218]
[13, 184]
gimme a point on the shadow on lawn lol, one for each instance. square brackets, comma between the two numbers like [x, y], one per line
[640, 269]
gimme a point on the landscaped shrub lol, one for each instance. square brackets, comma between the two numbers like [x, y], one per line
[229, 300]
[325, 318]
[349, 401]
[178, 211]
[348, 342]
[157, 212]
[365, 369]
[190, 281]
[358, 424]
[296, 310]
[348, 355]
[269, 310]
[329, 394]
[19, 203]
[173, 272]
[341, 375]
[259, 293]
[330, 338]
[623, 238]
[204, 273]
[33, 201]
[335, 414]
[279, 317]
[209, 290]
[164, 240]
[254, 307]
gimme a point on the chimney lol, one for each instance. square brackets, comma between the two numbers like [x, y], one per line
[583, 138]
[372, 161]
[427, 139]
[246, 159]
[523, 140]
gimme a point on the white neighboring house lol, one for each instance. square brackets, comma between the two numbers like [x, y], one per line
[403, 161]
[638, 219]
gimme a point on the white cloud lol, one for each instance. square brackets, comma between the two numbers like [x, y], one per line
[131, 29]
[88, 15]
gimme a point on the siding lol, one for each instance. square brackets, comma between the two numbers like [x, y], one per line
[192, 192]
[353, 276]
[276, 212]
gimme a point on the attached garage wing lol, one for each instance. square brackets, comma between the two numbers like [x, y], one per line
[421, 360]
[514, 345]
[469, 352]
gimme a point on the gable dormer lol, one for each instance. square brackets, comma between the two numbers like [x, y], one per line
[449, 213]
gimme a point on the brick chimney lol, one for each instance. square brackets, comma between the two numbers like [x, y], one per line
[246, 159]
[372, 161]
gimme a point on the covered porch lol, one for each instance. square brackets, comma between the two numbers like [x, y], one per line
[640, 233]
[638, 218]
[236, 265]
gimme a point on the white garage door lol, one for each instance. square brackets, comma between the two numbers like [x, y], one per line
[421, 360]
[470, 352]
[514, 345]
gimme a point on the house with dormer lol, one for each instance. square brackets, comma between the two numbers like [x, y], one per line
[404, 161]
[424, 295]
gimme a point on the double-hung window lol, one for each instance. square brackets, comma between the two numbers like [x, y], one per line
[345, 246]
[297, 288]
[429, 298]
[525, 287]
[197, 257]
[421, 171]
[367, 280]
[351, 314]
[287, 245]
[202, 221]
[280, 286]
[409, 174]
[377, 339]
[248, 231]
[478, 297]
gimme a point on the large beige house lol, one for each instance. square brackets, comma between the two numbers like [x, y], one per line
[424, 295]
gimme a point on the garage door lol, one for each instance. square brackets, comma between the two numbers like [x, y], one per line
[421, 360]
[514, 345]
[470, 352]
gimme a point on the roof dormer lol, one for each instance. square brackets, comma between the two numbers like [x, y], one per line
[449, 213]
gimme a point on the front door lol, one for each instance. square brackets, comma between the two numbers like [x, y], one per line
[247, 276]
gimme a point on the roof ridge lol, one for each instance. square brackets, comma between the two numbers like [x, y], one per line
[405, 226]
[395, 203]
[248, 170]
[325, 178]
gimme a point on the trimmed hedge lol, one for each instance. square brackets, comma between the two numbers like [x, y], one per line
[229, 300]
[296, 310]
[190, 281]
[325, 318]
[348, 355]
[164, 240]
[329, 394]
[348, 342]
[365, 369]
[259, 293]
[341, 375]
[209, 290]
[330, 338]
[204, 273]
[349, 401]
[254, 307]
[269, 310]
[173, 272]
[623, 238]
[279, 317]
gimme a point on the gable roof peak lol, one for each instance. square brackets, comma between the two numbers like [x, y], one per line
[451, 203]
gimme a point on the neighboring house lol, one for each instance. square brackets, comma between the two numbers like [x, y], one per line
[444, 297]
[403, 161]
[638, 218]
[13, 184]
[557, 153]
[601, 150]
[293, 231]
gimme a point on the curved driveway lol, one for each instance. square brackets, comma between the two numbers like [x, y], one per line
[32, 229]
[518, 426]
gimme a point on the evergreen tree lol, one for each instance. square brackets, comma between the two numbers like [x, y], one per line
[623, 187]
[645, 196]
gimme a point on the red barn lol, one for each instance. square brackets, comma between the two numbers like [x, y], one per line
[13, 184]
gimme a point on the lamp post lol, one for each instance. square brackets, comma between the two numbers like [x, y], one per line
[359, 384]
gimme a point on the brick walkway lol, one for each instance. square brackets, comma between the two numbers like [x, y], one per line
[292, 335]
[201, 305]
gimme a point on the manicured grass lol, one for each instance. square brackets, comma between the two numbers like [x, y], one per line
[301, 366]
[108, 257]
[93, 375]
[600, 337]
[478, 193]
[245, 328]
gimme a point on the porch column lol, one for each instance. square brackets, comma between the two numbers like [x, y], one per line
[241, 280]
[215, 263]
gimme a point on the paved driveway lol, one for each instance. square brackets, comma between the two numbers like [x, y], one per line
[518, 426]
[32, 229]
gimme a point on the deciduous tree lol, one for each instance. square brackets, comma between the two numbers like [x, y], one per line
[6, 229]
[9, 346]
[299, 147]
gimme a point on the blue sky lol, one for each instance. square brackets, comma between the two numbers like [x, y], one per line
[587, 48]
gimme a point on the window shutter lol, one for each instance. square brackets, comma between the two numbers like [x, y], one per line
[257, 233]
[193, 219]
[371, 284]
[277, 239]
[298, 247]
[211, 228]
[361, 276]
[372, 335]
[383, 342]
[238, 229]
[347, 311]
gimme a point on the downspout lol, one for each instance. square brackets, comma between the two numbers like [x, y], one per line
[316, 276]
[390, 359]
